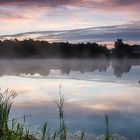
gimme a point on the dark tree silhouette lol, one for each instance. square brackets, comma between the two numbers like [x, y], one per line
[122, 50]
[43, 49]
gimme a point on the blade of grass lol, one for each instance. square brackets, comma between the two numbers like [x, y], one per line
[107, 131]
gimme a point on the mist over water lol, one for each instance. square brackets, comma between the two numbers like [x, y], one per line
[90, 87]
[65, 66]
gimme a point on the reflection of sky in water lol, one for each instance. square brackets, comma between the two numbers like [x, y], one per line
[87, 97]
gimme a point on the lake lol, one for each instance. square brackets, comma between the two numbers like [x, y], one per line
[90, 88]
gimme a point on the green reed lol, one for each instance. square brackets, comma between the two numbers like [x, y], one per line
[20, 131]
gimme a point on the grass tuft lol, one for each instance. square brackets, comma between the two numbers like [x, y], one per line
[20, 131]
[107, 130]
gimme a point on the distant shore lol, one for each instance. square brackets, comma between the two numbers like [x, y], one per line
[43, 49]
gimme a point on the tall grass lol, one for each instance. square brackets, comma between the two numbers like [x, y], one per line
[62, 123]
[20, 131]
[82, 135]
[44, 131]
[6, 99]
[107, 130]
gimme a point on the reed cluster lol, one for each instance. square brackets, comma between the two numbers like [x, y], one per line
[20, 130]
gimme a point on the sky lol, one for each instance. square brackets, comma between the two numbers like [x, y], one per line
[21, 16]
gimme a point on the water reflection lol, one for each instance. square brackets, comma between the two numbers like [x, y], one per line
[85, 103]
[121, 66]
[90, 90]
[43, 67]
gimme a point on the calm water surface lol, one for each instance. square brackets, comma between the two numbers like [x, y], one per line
[90, 88]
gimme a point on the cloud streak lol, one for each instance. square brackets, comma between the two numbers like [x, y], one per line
[96, 4]
[8, 15]
[68, 14]
[129, 32]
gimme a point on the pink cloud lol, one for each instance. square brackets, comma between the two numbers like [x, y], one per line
[68, 14]
[86, 3]
[23, 6]
[8, 15]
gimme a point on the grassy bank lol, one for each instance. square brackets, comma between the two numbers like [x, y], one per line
[20, 130]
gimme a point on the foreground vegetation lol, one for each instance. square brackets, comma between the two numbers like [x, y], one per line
[20, 131]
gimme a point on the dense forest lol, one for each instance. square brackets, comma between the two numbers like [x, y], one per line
[43, 49]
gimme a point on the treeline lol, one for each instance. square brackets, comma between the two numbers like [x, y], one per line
[43, 49]
[122, 50]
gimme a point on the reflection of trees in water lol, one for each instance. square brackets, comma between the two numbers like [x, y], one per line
[85, 66]
[44, 66]
[121, 66]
